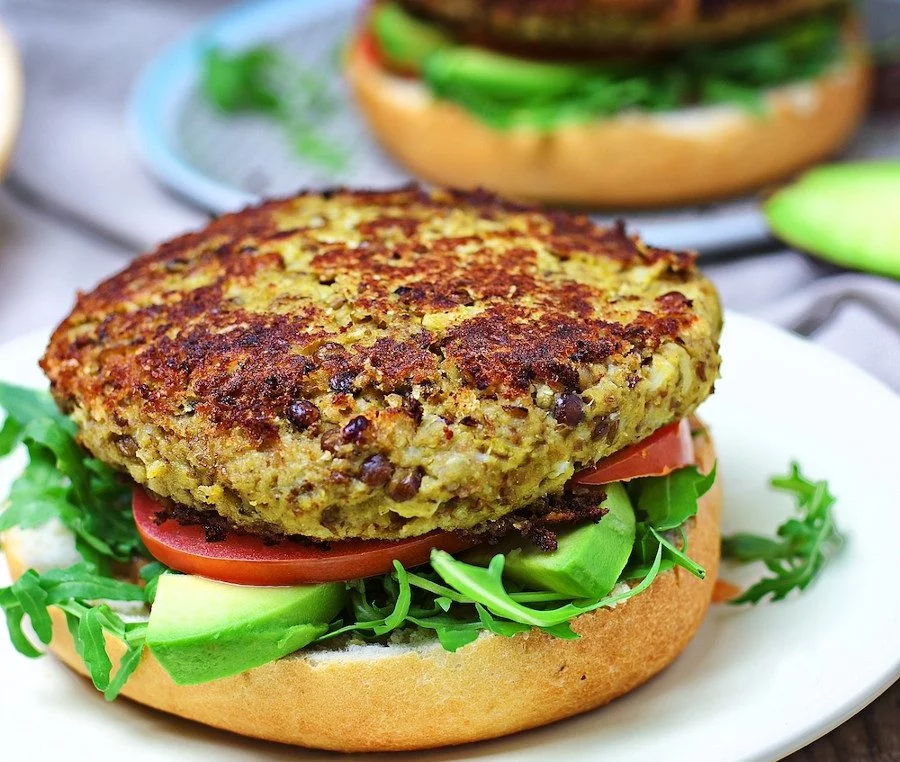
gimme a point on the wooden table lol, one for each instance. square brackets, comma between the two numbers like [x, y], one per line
[873, 735]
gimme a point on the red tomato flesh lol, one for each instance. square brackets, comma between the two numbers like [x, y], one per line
[664, 451]
[370, 49]
[247, 560]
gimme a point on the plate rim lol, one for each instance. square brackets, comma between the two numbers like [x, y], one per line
[167, 79]
[781, 744]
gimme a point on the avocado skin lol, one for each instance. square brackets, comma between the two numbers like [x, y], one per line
[404, 40]
[844, 213]
[588, 560]
[202, 630]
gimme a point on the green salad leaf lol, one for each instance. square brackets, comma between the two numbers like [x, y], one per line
[801, 548]
[78, 592]
[671, 500]
[62, 481]
[263, 81]
[738, 72]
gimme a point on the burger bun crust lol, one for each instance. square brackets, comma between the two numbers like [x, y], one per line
[630, 160]
[393, 698]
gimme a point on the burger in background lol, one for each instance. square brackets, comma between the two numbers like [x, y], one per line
[610, 103]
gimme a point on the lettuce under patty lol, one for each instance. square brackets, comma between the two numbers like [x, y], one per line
[735, 73]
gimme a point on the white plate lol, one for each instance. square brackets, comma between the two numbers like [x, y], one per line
[756, 683]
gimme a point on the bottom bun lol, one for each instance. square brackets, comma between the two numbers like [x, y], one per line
[377, 698]
[631, 160]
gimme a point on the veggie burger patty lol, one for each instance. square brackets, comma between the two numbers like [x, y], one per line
[382, 364]
[591, 25]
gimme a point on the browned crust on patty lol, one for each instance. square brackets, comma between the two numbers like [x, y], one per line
[237, 361]
[259, 366]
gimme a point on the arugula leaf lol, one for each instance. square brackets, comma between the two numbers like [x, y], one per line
[87, 632]
[62, 481]
[24, 405]
[10, 435]
[130, 661]
[254, 81]
[671, 500]
[679, 555]
[150, 574]
[499, 626]
[37, 495]
[75, 591]
[452, 634]
[240, 81]
[33, 599]
[803, 545]
[485, 586]
[401, 608]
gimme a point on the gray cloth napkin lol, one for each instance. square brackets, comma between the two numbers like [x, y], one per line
[78, 203]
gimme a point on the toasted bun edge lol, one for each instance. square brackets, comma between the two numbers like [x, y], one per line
[396, 698]
[630, 160]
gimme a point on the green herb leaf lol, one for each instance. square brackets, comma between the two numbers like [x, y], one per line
[131, 659]
[671, 500]
[75, 591]
[401, 608]
[33, 600]
[91, 647]
[15, 614]
[499, 626]
[452, 638]
[803, 546]
[254, 81]
[242, 81]
[24, 405]
[37, 495]
[62, 481]
[679, 555]
[485, 586]
[150, 574]
[10, 435]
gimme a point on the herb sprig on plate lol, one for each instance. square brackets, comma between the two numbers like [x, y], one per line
[801, 547]
[264, 81]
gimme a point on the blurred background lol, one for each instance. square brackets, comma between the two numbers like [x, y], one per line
[115, 138]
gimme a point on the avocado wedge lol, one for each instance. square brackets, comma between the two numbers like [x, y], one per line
[588, 560]
[405, 40]
[500, 76]
[202, 630]
[848, 214]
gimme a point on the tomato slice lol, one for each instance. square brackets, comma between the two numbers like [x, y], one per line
[247, 560]
[664, 451]
[369, 48]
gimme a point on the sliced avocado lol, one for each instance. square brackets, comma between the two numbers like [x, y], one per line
[405, 40]
[503, 77]
[844, 213]
[202, 630]
[588, 561]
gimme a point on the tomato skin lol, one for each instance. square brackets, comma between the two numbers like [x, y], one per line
[664, 451]
[245, 559]
[369, 48]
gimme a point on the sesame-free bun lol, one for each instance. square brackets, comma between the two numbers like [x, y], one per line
[630, 160]
[375, 698]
